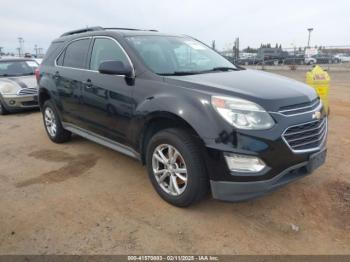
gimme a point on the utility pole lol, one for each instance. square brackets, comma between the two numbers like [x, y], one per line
[213, 44]
[36, 50]
[21, 46]
[236, 49]
[19, 51]
[40, 51]
[308, 41]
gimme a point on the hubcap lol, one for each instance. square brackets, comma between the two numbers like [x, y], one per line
[50, 122]
[169, 169]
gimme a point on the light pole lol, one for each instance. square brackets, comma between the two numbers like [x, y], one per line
[308, 41]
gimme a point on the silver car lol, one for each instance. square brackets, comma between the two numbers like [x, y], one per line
[18, 86]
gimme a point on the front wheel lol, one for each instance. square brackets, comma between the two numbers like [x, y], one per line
[175, 167]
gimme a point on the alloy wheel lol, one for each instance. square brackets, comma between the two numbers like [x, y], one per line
[169, 169]
[50, 122]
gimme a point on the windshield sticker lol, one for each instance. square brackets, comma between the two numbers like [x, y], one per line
[195, 45]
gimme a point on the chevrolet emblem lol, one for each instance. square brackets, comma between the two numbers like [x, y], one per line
[317, 115]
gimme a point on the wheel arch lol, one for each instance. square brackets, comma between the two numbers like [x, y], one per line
[157, 122]
[43, 96]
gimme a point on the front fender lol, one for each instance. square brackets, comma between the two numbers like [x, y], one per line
[196, 111]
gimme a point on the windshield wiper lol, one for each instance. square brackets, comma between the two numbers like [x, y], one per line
[224, 68]
[182, 73]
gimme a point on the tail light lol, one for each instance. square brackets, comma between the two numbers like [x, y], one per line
[37, 74]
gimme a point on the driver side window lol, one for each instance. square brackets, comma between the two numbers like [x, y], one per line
[105, 49]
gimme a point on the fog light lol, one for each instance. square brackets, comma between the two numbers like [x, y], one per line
[12, 102]
[243, 163]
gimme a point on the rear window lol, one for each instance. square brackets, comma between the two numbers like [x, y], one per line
[75, 54]
[52, 52]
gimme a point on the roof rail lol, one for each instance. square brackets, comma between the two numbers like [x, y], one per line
[131, 29]
[83, 30]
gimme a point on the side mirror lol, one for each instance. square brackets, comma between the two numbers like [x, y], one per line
[115, 68]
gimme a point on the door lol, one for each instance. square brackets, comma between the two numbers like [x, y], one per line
[69, 77]
[107, 99]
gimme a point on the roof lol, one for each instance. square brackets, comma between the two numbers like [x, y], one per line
[11, 59]
[90, 31]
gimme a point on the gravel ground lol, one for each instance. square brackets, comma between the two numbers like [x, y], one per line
[82, 198]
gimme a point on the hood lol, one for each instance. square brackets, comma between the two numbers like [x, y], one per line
[271, 91]
[18, 82]
[21, 81]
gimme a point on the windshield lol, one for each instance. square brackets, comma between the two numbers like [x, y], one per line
[17, 68]
[172, 55]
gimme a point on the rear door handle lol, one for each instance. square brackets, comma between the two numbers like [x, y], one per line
[56, 75]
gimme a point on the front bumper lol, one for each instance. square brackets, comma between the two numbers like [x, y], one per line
[239, 191]
[15, 102]
[283, 165]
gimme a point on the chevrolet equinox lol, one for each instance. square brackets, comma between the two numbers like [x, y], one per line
[197, 121]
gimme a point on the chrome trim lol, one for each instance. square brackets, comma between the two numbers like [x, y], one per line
[321, 145]
[299, 108]
[101, 140]
[319, 133]
[27, 91]
[298, 132]
[94, 37]
[302, 113]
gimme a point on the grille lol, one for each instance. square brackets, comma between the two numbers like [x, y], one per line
[307, 136]
[300, 108]
[27, 91]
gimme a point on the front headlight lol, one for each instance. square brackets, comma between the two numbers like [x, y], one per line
[8, 89]
[242, 113]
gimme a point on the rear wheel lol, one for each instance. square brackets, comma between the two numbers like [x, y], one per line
[53, 125]
[3, 110]
[175, 167]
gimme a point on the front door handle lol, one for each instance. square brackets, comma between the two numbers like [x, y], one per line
[88, 83]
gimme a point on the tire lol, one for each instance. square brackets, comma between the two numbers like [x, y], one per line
[3, 110]
[53, 125]
[188, 157]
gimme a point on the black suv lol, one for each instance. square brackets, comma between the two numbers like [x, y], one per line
[196, 120]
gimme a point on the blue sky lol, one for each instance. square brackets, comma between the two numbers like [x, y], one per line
[255, 22]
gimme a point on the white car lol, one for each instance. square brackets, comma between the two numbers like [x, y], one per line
[309, 60]
[18, 86]
[343, 57]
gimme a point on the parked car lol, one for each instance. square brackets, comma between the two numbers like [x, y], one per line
[297, 59]
[196, 121]
[254, 60]
[18, 86]
[38, 60]
[343, 57]
[321, 59]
